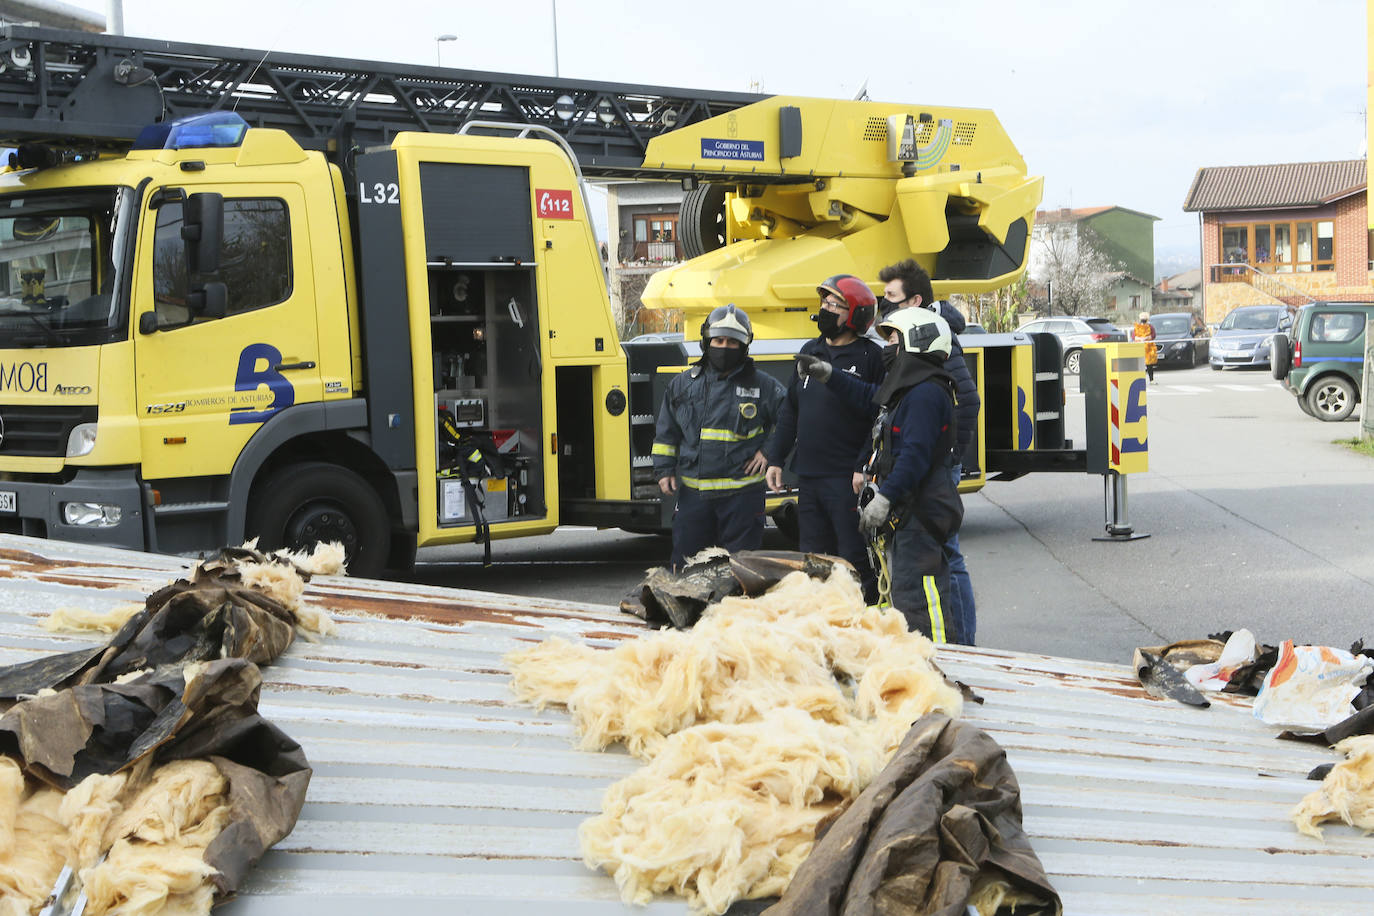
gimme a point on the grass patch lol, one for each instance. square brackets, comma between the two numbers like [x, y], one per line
[1363, 446]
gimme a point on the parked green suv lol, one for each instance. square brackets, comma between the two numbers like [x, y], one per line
[1321, 358]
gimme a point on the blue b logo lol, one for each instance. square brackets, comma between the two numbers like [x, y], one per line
[1025, 425]
[257, 367]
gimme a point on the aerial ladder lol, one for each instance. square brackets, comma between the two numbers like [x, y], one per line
[100, 91]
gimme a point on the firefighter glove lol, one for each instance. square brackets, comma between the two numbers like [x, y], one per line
[809, 366]
[874, 515]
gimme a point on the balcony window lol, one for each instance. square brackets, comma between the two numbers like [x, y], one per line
[656, 237]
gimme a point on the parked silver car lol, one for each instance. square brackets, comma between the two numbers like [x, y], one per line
[1073, 333]
[1244, 335]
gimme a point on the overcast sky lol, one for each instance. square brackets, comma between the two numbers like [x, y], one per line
[1113, 102]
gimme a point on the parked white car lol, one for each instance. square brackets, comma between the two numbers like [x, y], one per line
[1073, 333]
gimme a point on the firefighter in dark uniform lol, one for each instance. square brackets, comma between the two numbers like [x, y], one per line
[913, 505]
[708, 445]
[831, 438]
[908, 284]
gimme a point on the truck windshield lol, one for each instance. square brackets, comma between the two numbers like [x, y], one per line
[62, 255]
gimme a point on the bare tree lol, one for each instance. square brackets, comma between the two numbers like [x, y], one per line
[635, 318]
[995, 311]
[1075, 268]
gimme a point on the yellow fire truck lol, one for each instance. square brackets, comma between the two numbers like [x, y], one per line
[322, 326]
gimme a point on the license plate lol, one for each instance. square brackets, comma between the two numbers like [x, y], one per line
[7, 501]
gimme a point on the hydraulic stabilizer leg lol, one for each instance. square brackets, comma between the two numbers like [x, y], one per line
[1116, 509]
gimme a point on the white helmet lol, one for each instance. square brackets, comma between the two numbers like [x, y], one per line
[922, 330]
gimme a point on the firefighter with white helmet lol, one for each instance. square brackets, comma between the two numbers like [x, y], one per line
[907, 283]
[911, 505]
[708, 445]
[826, 436]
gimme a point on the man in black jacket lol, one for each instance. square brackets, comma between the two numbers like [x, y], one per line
[908, 284]
[831, 438]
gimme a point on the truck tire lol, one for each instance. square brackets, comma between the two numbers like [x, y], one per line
[703, 220]
[1072, 360]
[302, 505]
[1331, 398]
[1280, 357]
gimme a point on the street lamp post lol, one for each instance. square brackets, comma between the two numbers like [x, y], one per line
[554, 5]
[439, 43]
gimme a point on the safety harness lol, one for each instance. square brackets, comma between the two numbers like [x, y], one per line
[470, 454]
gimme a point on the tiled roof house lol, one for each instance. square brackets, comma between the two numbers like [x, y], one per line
[1291, 232]
[1125, 236]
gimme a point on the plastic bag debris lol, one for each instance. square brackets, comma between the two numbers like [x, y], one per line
[1239, 651]
[1310, 687]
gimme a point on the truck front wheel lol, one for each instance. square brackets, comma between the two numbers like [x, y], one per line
[303, 505]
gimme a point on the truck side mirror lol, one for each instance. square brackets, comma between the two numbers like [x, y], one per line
[208, 300]
[202, 229]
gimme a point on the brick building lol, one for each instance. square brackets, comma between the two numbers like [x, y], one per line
[1290, 233]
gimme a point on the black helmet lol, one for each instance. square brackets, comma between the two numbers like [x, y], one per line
[727, 321]
[857, 296]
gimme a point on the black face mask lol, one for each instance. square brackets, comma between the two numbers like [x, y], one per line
[886, 305]
[725, 359]
[890, 355]
[829, 324]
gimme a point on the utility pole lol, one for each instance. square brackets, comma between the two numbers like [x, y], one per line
[1367, 384]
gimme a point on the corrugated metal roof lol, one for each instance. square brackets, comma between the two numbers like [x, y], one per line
[1290, 184]
[435, 792]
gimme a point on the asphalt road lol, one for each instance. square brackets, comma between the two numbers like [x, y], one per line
[1256, 520]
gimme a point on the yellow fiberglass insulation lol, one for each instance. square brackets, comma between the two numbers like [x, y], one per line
[755, 724]
[283, 582]
[1347, 792]
[80, 620]
[152, 832]
[29, 868]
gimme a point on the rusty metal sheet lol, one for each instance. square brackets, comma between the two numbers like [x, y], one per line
[434, 789]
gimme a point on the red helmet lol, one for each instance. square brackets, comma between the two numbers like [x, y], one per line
[857, 295]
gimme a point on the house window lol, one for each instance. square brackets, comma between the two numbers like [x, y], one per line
[656, 237]
[1295, 247]
[1326, 245]
[657, 228]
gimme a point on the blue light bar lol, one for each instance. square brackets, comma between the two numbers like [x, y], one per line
[214, 129]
